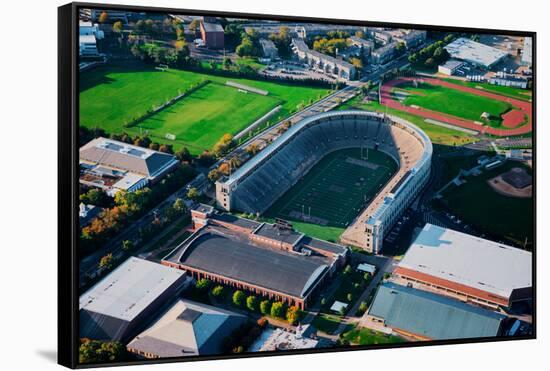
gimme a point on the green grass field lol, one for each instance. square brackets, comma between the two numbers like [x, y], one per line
[200, 119]
[114, 94]
[365, 336]
[325, 323]
[523, 94]
[454, 102]
[335, 190]
[478, 204]
[437, 134]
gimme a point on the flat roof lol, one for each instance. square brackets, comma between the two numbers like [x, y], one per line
[474, 52]
[235, 220]
[212, 27]
[430, 315]
[285, 272]
[273, 232]
[323, 245]
[129, 289]
[452, 64]
[468, 260]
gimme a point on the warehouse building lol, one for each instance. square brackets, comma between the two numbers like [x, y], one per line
[427, 316]
[467, 268]
[480, 55]
[271, 260]
[119, 305]
[187, 328]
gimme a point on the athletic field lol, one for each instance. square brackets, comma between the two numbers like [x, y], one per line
[336, 189]
[114, 94]
[453, 102]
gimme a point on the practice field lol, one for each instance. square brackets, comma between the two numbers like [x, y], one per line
[114, 94]
[454, 102]
[478, 204]
[336, 189]
[200, 119]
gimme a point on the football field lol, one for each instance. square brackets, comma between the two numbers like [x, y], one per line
[336, 189]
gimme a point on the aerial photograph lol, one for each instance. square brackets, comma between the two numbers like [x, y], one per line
[250, 186]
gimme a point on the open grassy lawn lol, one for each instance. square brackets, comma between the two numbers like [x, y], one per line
[200, 119]
[114, 94]
[365, 336]
[454, 102]
[478, 204]
[523, 94]
[325, 323]
[347, 286]
[336, 189]
[437, 134]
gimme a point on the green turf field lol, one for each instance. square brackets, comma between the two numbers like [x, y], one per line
[454, 102]
[335, 190]
[365, 336]
[437, 134]
[200, 119]
[478, 204]
[508, 91]
[114, 94]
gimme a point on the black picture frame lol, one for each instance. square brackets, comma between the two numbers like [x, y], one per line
[68, 108]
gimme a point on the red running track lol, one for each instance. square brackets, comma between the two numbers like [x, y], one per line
[523, 106]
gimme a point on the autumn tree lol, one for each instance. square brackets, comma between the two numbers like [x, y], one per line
[193, 193]
[117, 27]
[293, 314]
[106, 262]
[103, 17]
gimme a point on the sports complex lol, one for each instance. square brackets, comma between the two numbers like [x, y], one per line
[357, 170]
[205, 106]
[471, 108]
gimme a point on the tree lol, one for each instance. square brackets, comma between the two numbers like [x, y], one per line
[252, 303]
[203, 284]
[117, 27]
[166, 148]
[265, 307]
[183, 155]
[226, 64]
[349, 296]
[95, 351]
[357, 63]
[323, 301]
[293, 314]
[214, 175]
[206, 158]
[179, 206]
[106, 262]
[348, 269]
[366, 276]
[103, 17]
[238, 298]
[218, 291]
[253, 149]
[127, 245]
[342, 311]
[363, 307]
[194, 25]
[278, 309]
[193, 193]
[223, 145]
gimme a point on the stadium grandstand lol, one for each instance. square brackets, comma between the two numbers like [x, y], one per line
[255, 186]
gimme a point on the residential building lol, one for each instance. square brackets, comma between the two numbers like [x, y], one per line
[269, 50]
[384, 54]
[212, 35]
[326, 63]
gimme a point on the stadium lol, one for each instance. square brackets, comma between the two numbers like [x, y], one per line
[372, 204]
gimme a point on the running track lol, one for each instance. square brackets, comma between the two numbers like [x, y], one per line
[523, 106]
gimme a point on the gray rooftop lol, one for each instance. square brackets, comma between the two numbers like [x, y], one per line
[431, 315]
[323, 245]
[273, 232]
[212, 27]
[279, 271]
[187, 328]
[127, 157]
[474, 52]
[240, 222]
[472, 261]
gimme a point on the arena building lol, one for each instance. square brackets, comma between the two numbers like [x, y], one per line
[271, 260]
[467, 268]
[255, 186]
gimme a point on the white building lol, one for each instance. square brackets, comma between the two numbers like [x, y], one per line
[527, 54]
[467, 268]
[478, 54]
[450, 67]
